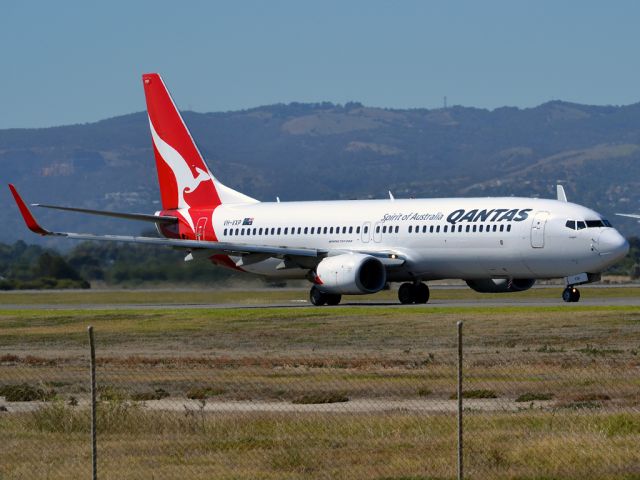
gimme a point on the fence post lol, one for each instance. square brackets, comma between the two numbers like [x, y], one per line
[94, 446]
[460, 444]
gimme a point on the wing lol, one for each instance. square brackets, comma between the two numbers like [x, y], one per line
[227, 248]
[248, 253]
[630, 215]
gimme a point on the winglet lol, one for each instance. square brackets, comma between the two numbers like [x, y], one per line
[27, 216]
[561, 195]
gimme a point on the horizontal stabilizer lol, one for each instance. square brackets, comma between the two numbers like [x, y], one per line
[127, 216]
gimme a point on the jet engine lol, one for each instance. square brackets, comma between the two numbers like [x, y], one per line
[351, 273]
[501, 285]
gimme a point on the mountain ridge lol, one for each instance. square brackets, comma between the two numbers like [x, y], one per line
[320, 151]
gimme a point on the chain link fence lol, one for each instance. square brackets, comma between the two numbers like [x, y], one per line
[281, 405]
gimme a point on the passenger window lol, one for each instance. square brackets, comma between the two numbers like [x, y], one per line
[324, 230]
[225, 231]
[366, 229]
[580, 225]
[502, 228]
[424, 229]
[474, 229]
[438, 229]
[331, 230]
[254, 231]
[312, 230]
[344, 229]
[306, 230]
[459, 228]
[237, 231]
[358, 230]
[350, 229]
[378, 229]
[260, 232]
[286, 230]
[468, 228]
[417, 228]
[384, 229]
[431, 229]
[397, 228]
[445, 228]
[410, 228]
[480, 228]
[509, 228]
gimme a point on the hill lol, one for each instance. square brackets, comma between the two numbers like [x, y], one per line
[326, 151]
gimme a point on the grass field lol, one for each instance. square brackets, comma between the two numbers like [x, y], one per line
[555, 391]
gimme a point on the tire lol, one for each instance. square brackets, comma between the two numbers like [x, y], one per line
[421, 292]
[566, 294]
[575, 295]
[406, 293]
[333, 299]
[316, 297]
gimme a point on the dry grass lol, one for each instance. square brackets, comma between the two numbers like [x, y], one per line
[576, 368]
[528, 444]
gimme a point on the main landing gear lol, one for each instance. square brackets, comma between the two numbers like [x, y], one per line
[318, 298]
[571, 294]
[413, 293]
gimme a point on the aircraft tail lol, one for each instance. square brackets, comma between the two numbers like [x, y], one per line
[184, 177]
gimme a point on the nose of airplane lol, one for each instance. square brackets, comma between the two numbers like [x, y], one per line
[612, 244]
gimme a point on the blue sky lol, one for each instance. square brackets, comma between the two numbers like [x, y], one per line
[77, 61]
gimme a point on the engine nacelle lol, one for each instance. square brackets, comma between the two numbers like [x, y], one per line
[501, 285]
[351, 273]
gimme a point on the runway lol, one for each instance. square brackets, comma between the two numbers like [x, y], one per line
[303, 303]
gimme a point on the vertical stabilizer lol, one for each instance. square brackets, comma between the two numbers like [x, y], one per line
[184, 177]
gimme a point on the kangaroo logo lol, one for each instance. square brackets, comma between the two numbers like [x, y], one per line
[185, 180]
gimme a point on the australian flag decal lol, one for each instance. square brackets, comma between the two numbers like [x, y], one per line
[247, 221]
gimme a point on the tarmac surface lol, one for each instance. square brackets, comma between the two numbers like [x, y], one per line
[302, 303]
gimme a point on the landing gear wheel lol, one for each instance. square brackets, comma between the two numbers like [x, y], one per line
[316, 297]
[333, 298]
[406, 293]
[571, 294]
[421, 292]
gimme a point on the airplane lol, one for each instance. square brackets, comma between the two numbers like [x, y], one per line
[499, 244]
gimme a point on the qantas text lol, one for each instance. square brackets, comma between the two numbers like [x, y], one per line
[493, 215]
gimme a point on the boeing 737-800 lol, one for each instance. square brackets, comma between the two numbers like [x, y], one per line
[358, 246]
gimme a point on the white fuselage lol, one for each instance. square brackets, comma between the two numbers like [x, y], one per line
[466, 238]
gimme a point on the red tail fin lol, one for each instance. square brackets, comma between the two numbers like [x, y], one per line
[185, 179]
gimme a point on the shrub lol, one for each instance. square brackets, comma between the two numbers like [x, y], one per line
[157, 394]
[25, 393]
[424, 392]
[475, 394]
[320, 397]
[530, 397]
[202, 393]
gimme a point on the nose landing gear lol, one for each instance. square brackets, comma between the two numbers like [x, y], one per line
[413, 293]
[571, 294]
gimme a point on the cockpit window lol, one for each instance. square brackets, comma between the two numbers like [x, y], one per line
[595, 223]
[579, 225]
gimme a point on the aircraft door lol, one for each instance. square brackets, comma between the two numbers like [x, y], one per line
[377, 235]
[537, 229]
[366, 232]
[202, 223]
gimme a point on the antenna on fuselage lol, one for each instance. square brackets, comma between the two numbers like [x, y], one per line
[278, 199]
[391, 197]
